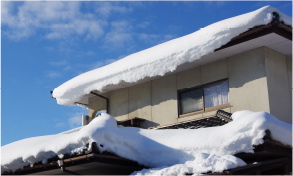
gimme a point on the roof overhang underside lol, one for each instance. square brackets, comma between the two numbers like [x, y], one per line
[278, 38]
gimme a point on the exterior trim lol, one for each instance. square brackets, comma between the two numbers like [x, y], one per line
[256, 32]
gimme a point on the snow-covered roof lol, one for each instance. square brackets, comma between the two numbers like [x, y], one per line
[183, 150]
[165, 58]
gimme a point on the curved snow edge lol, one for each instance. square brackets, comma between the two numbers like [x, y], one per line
[166, 57]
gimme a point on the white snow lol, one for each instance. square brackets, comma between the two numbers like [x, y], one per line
[202, 163]
[164, 58]
[166, 151]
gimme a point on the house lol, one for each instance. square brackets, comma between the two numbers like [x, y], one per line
[196, 81]
[239, 64]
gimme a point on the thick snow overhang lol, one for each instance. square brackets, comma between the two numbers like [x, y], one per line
[264, 27]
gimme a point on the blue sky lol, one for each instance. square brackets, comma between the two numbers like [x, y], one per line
[44, 44]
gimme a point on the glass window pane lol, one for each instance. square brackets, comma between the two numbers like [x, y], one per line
[216, 94]
[191, 101]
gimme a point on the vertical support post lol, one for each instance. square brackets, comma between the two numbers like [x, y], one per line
[86, 120]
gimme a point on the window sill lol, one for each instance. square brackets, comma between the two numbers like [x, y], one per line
[191, 113]
[206, 110]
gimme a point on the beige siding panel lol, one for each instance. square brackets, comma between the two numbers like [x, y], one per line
[278, 85]
[289, 70]
[164, 100]
[96, 104]
[140, 103]
[119, 103]
[214, 71]
[247, 81]
[188, 78]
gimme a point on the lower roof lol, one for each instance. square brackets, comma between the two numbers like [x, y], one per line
[269, 155]
[90, 158]
[92, 163]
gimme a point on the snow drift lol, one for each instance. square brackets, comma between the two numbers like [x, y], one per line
[166, 57]
[185, 150]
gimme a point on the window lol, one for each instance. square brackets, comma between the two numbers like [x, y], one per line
[203, 97]
[216, 94]
[191, 100]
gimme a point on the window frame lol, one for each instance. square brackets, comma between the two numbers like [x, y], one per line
[204, 109]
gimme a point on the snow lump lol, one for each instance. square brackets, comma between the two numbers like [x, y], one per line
[170, 151]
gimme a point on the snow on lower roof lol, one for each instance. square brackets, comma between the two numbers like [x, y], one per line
[164, 58]
[197, 150]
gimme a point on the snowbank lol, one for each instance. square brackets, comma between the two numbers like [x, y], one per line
[186, 150]
[166, 57]
[202, 163]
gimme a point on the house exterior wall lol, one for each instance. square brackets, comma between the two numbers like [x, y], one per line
[156, 100]
[277, 72]
[164, 100]
[247, 81]
[214, 71]
[140, 102]
[118, 100]
[289, 72]
[97, 103]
